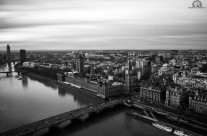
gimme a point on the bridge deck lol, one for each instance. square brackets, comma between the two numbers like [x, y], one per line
[57, 119]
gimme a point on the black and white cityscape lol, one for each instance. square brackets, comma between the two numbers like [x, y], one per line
[103, 68]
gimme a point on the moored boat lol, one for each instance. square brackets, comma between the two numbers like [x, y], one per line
[77, 86]
[179, 133]
[73, 85]
[162, 127]
[162, 113]
[183, 121]
[173, 118]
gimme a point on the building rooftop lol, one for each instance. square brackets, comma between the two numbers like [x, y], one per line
[176, 89]
[201, 97]
[153, 88]
[116, 83]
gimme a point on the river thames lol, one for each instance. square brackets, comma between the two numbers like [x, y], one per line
[34, 98]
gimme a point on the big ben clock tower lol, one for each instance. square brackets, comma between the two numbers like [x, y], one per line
[128, 80]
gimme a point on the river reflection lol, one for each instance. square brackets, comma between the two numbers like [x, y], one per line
[43, 80]
[35, 97]
[78, 96]
[25, 81]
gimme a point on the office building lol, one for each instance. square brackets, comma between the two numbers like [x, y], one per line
[8, 56]
[23, 57]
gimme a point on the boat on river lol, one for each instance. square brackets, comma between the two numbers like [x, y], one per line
[76, 86]
[180, 133]
[162, 127]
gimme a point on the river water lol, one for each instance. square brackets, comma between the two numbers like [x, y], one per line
[35, 97]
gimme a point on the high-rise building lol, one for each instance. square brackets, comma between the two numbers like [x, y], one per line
[8, 56]
[22, 56]
[80, 63]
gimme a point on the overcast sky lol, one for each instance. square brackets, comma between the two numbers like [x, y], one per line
[102, 24]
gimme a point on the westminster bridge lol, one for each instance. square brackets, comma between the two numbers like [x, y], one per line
[55, 121]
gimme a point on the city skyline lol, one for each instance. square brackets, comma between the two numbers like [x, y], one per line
[98, 24]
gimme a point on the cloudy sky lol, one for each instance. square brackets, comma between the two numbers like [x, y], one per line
[102, 24]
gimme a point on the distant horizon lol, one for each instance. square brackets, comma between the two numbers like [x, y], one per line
[108, 50]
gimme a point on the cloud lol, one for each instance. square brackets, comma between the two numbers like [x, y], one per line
[102, 23]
